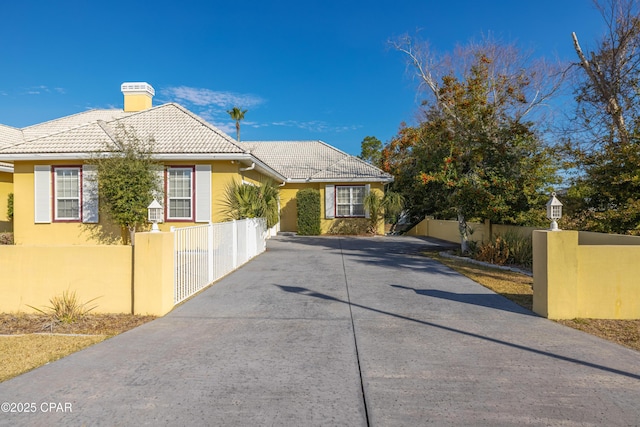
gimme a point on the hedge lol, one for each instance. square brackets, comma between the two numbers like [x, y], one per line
[308, 212]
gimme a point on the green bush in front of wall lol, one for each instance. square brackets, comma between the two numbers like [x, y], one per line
[10, 207]
[308, 201]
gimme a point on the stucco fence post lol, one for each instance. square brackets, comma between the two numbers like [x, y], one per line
[555, 274]
[599, 280]
[153, 273]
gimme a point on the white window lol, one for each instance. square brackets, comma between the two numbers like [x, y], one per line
[350, 201]
[67, 200]
[180, 193]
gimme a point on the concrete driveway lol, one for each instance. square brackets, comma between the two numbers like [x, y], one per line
[339, 331]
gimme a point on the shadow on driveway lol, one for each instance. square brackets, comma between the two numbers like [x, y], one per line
[491, 300]
[310, 293]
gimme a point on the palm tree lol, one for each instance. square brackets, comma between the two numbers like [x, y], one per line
[237, 115]
[252, 201]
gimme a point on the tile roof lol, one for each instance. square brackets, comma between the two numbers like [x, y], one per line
[308, 161]
[9, 136]
[172, 128]
[69, 122]
[175, 131]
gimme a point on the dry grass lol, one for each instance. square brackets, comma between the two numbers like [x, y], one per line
[518, 288]
[32, 340]
[624, 332]
[22, 353]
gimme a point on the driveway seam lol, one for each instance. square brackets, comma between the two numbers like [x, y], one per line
[355, 338]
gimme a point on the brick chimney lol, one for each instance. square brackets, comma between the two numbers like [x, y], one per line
[137, 96]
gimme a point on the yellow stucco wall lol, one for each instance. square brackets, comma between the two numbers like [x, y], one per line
[6, 187]
[447, 230]
[76, 233]
[584, 281]
[289, 207]
[26, 231]
[32, 275]
[289, 210]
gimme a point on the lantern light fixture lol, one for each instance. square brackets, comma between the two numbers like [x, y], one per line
[155, 215]
[554, 211]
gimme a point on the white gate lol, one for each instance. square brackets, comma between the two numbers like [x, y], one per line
[205, 253]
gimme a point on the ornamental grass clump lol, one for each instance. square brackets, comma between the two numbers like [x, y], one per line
[66, 308]
[510, 248]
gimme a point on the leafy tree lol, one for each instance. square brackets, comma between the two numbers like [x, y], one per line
[127, 181]
[237, 114]
[476, 147]
[605, 138]
[370, 150]
[252, 201]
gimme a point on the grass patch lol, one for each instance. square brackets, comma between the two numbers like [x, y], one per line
[22, 353]
[623, 332]
[514, 286]
[518, 288]
[27, 341]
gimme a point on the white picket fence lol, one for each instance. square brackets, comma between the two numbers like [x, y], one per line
[205, 253]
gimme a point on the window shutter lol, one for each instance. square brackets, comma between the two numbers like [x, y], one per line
[367, 190]
[89, 194]
[159, 194]
[329, 201]
[203, 193]
[42, 193]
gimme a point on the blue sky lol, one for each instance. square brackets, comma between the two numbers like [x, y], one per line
[303, 69]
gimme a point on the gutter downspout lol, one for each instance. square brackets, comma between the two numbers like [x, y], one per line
[250, 168]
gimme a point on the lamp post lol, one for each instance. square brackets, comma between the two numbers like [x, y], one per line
[554, 211]
[155, 215]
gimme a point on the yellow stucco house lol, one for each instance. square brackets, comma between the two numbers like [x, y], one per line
[55, 202]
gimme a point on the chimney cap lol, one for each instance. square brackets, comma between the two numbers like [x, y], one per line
[137, 87]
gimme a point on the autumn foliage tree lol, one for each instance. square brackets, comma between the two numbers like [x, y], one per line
[476, 152]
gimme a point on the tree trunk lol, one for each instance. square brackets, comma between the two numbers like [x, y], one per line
[132, 234]
[464, 234]
[604, 90]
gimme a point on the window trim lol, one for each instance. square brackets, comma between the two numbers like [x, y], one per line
[351, 204]
[54, 199]
[167, 203]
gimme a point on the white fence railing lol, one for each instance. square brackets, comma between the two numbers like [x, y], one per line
[205, 253]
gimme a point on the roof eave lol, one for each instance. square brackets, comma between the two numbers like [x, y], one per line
[260, 166]
[345, 179]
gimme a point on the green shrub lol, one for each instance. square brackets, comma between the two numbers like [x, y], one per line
[308, 201]
[66, 308]
[10, 207]
[350, 226]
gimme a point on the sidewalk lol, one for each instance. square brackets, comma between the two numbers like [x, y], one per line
[339, 331]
